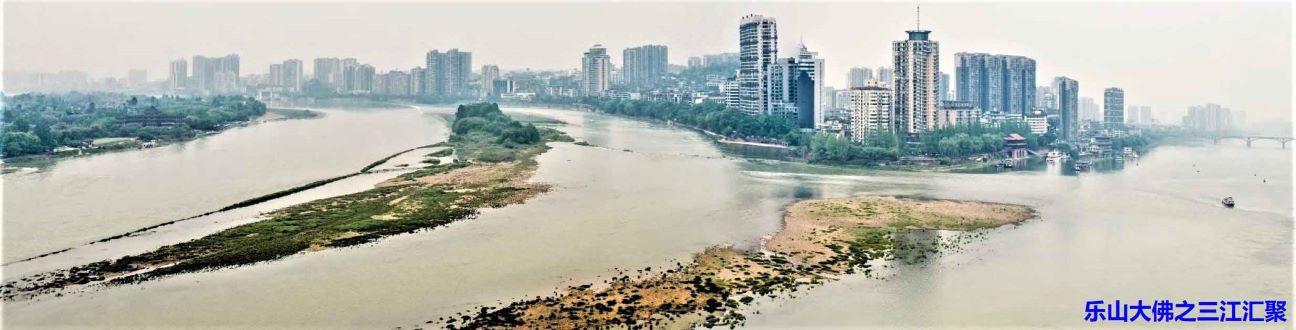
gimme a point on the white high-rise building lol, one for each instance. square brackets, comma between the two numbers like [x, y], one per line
[758, 48]
[179, 74]
[292, 75]
[917, 73]
[489, 74]
[869, 108]
[596, 69]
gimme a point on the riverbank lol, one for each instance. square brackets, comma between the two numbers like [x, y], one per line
[821, 241]
[13, 164]
[425, 198]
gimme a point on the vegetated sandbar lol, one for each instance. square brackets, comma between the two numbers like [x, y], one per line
[497, 157]
[820, 241]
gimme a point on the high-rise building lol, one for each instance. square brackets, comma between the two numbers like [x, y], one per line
[216, 74]
[785, 93]
[448, 73]
[179, 74]
[346, 81]
[328, 70]
[642, 66]
[730, 91]
[418, 78]
[1113, 108]
[884, 74]
[275, 75]
[394, 82]
[489, 74]
[292, 75]
[996, 83]
[869, 109]
[1209, 118]
[1068, 91]
[358, 78]
[917, 65]
[758, 48]
[596, 71]
[942, 89]
[1046, 99]
[1089, 110]
[858, 77]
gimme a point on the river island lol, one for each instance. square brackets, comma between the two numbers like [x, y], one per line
[821, 240]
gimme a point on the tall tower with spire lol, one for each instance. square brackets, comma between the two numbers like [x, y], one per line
[917, 74]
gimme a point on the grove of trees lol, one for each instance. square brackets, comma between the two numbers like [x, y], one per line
[38, 123]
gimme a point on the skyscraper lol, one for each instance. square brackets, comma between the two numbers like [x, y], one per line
[1045, 98]
[1209, 118]
[942, 91]
[348, 79]
[215, 74]
[642, 66]
[1113, 108]
[795, 88]
[596, 70]
[489, 74]
[758, 48]
[996, 83]
[1089, 109]
[1067, 91]
[447, 73]
[179, 74]
[275, 75]
[917, 65]
[292, 75]
[884, 74]
[328, 70]
[858, 77]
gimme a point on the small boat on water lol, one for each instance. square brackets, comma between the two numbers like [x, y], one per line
[1053, 156]
[1007, 163]
[1228, 202]
[1082, 165]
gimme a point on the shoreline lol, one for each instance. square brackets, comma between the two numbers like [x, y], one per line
[423, 198]
[820, 241]
[15, 164]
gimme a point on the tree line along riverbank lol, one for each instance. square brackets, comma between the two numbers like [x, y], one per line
[495, 158]
[39, 124]
[821, 240]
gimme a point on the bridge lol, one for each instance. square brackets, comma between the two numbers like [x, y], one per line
[1249, 139]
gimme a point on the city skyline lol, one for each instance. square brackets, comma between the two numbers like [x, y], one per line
[708, 28]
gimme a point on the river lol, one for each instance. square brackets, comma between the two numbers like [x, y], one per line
[651, 195]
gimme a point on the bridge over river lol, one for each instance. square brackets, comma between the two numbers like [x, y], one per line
[1249, 138]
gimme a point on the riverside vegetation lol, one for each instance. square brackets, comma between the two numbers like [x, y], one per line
[35, 124]
[821, 240]
[495, 156]
[821, 148]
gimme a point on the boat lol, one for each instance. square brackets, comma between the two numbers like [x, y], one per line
[1007, 163]
[1053, 156]
[1082, 165]
[1228, 202]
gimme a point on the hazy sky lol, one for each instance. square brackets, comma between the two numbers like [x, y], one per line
[1166, 55]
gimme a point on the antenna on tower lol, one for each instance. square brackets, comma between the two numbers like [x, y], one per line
[918, 14]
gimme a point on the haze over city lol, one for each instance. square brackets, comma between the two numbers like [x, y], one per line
[1165, 55]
